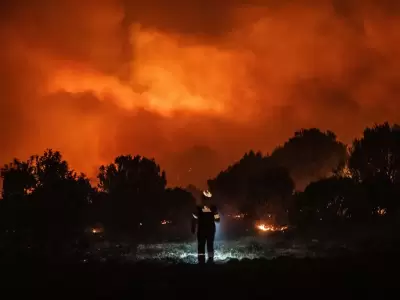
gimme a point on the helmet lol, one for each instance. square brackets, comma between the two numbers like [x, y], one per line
[207, 194]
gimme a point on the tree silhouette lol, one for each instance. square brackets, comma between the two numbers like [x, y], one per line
[377, 153]
[272, 189]
[61, 200]
[18, 178]
[51, 168]
[178, 205]
[15, 208]
[375, 161]
[46, 205]
[232, 184]
[135, 187]
[177, 208]
[47, 198]
[256, 185]
[311, 155]
[331, 200]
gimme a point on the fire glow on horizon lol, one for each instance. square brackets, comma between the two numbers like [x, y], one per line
[95, 77]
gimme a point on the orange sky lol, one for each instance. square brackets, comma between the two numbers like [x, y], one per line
[193, 85]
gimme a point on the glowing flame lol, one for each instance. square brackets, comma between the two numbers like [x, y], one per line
[381, 211]
[29, 191]
[264, 227]
[164, 222]
[96, 230]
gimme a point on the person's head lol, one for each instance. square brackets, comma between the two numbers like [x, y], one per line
[206, 197]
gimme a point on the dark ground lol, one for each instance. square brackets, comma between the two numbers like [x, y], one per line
[255, 277]
[367, 263]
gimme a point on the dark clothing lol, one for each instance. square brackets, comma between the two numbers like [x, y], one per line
[204, 219]
[202, 240]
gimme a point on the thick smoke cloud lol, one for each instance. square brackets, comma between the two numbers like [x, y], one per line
[194, 84]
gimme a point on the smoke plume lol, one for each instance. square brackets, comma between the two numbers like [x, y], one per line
[193, 84]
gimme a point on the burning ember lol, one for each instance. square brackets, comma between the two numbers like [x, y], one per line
[96, 230]
[264, 227]
[164, 222]
[381, 211]
[239, 216]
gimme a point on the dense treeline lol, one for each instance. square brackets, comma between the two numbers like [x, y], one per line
[312, 178]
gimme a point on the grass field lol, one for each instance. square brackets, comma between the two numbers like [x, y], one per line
[244, 248]
[251, 265]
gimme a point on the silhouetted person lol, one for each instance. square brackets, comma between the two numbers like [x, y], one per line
[204, 219]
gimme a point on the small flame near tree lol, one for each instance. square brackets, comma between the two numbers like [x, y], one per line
[265, 227]
[97, 230]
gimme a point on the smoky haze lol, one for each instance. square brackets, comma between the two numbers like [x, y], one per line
[193, 84]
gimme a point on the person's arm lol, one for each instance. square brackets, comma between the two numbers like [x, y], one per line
[195, 218]
[216, 215]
